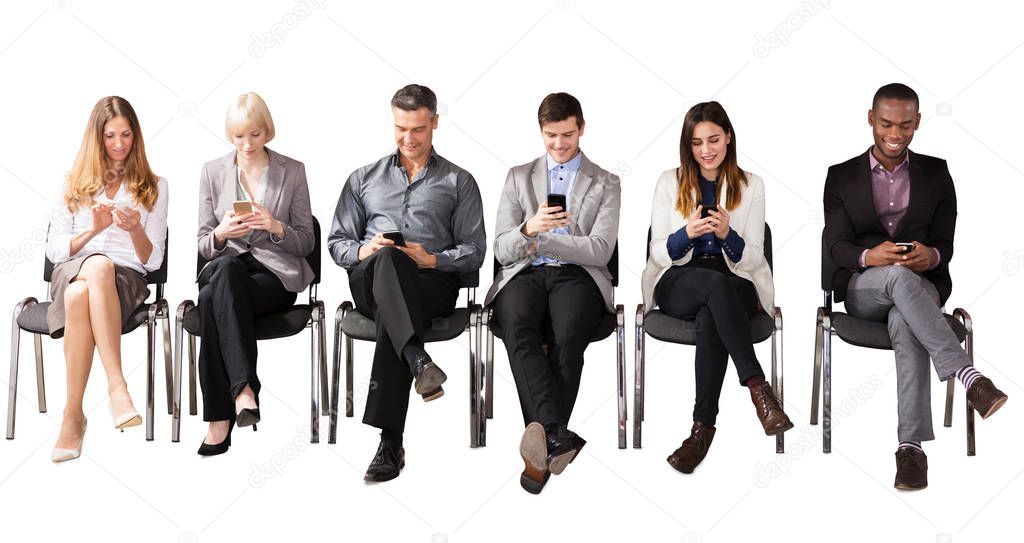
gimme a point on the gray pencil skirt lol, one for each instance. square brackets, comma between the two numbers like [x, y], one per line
[132, 290]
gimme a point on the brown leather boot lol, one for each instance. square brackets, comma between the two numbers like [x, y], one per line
[769, 412]
[694, 448]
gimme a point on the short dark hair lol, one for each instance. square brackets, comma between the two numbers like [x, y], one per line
[559, 106]
[412, 97]
[896, 91]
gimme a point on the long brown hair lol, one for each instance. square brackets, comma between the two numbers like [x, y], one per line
[92, 169]
[688, 170]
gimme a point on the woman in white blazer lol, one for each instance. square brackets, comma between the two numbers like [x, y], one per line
[707, 263]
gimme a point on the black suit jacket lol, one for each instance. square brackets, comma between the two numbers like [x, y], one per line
[852, 223]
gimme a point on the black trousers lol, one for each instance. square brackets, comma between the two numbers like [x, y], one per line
[403, 300]
[560, 307]
[722, 304]
[233, 292]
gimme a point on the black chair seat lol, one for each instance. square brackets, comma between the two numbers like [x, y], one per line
[359, 326]
[33, 320]
[875, 335]
[684, 331]
[276, 325]
[604, 329]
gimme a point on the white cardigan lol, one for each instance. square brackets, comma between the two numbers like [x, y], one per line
[747, 220]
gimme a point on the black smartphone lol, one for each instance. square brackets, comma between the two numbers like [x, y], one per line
[705, 211]
[396, 237]
[907, 246]
[557, 200]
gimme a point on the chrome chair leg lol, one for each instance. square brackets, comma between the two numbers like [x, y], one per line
[12, 381]
[165, 321]
[37, 345]
[489, 371]
[474, 388]
[179, 336]
[350, 363]
[777, 374]
[826, 384]
[638, 383]
[325, 395]
[818, 349]
[620, 372]
[947, 419]
[314, 375]
[332, 429]
[154, 310]
[968, 323]
[476, 337]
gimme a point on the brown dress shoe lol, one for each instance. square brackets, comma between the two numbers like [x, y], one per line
[911, 469]
[694, 448]
[769, 412]
[985, 397]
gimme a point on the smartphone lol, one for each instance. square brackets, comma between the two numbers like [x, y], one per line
[557, 200]
[124, 205]
[396, 237]
[705, 211]
[243, 207]
[907, 246]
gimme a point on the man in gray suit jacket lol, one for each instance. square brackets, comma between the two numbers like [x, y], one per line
[557, 225]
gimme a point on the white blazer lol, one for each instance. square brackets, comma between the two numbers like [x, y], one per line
[747, 220]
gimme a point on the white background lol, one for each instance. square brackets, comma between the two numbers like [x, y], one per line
[798, 101]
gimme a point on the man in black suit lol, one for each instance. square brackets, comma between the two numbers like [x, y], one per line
[890, 215]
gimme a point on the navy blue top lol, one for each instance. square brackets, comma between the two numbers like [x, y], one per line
[679, 243]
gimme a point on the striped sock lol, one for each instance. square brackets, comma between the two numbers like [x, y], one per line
[911, 445]
[967, 375]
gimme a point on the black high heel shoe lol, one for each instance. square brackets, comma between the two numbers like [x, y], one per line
[248, 417]
[207, 449]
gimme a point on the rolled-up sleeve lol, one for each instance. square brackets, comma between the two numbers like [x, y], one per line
[348, 225]
[467, 231]
[156, 227]
[58, 237]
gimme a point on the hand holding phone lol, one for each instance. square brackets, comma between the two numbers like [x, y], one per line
[906, 246]
[396, 237]
[557, 200]
[242, 207]
[706, 211]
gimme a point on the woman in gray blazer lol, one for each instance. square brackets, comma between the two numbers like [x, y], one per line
[255, 229]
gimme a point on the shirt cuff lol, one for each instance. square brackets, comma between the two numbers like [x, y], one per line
[938, 258]
[862, 261]
[733, 245]
[678, 244]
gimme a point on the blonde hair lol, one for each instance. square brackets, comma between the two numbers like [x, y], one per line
[248, 108]
[91, 169]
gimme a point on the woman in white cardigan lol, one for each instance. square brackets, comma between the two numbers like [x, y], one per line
[707, 263]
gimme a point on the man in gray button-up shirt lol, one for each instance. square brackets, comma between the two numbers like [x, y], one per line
[405, 228]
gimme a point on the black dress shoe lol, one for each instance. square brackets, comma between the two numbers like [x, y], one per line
[248, 417]
[911, 469]
[428, 378]
[534, 450]
[207, 449]
[563, 445]
[386, 464]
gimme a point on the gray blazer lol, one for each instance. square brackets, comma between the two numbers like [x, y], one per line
[594, 226]
[286, 197]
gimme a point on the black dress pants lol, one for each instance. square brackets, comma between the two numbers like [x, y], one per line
[403, 300]
[233, 292]
[560, 307]
[722, 304]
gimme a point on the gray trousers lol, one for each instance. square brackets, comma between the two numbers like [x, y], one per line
[909, 304]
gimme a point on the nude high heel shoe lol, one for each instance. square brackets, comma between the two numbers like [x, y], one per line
[63, 455]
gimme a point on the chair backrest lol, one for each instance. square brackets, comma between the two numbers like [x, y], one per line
[313, 258]
[613, 265]
[828, 266]
[157, 277]
[767, 246]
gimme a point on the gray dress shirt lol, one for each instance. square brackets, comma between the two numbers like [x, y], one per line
[440, 209]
